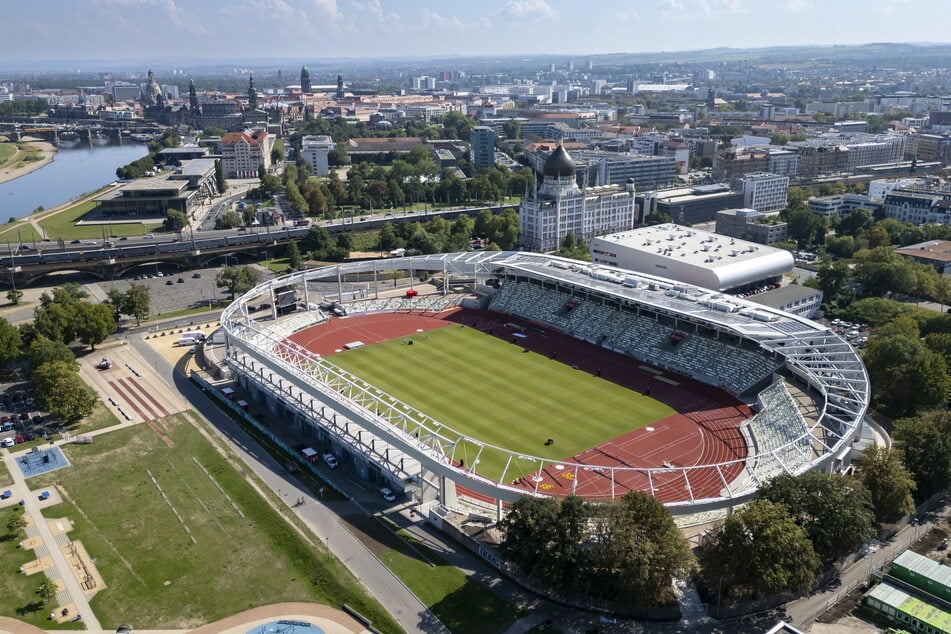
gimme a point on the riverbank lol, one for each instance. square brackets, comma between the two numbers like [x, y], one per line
[16, 167]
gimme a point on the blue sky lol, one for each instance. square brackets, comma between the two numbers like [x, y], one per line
[139, 29]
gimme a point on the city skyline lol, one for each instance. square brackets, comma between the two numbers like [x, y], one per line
[140, 29]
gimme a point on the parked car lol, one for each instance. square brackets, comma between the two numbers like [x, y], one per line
[331, 460]
[388, 494]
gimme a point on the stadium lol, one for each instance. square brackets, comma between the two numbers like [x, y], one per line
[509, 373]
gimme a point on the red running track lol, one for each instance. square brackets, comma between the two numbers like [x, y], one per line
[704, 432]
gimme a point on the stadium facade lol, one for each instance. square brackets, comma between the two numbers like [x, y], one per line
[809, 387]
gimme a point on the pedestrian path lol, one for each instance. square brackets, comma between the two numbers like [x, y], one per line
[71, 600]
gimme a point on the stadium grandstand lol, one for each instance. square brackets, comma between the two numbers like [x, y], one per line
[804, 388]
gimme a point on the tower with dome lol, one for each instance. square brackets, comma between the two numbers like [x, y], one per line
[558, 206]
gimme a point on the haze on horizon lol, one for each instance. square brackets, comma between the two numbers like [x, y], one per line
[313, 29]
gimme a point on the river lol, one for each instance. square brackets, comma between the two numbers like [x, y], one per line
[73, 172]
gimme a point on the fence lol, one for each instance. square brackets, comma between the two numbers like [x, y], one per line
[264, 431]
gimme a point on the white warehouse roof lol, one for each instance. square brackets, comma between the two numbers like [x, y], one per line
[693, 256]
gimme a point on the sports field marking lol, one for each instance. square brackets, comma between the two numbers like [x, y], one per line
[500, 394]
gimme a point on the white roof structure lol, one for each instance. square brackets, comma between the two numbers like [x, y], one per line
[692, 256]
[401, 439]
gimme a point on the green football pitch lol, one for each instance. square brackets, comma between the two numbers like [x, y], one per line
[492, 391]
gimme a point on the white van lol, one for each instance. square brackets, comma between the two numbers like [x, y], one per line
[196, 334]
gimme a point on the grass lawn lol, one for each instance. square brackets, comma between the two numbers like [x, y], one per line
[19, 599]
[194, 310]
[277, 265]
[63, 225]
[7, 151]
[101, 417]
[15, 232]
[462, 604]
[5, 479]
[156, 576]
[491, 390]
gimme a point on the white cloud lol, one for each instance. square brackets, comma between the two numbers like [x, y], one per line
[795, 6]
[431, 20]
[889, 8]
[627, 16]
[529, 9]
[700, 9]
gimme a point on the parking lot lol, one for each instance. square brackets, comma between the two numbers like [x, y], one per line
[20, 420]
[172, 289]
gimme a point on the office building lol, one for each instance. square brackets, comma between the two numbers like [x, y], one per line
[244, 153]
[918, 206]
[688, 205]
[558, 207]
[765, 192]
[752, 225]
[314, 150]
[792, 298]
[482, 140]
[841, 204]
[731, 165]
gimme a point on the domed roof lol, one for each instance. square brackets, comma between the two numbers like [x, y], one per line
[559, 164]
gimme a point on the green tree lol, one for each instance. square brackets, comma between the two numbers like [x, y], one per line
[940, 342]
[906, 376]
[17, 523]
[42, 351]
[137, 302]
[94, 322]
[925, 441]
[759, 551]
[875, 311]
[56, 321]
[227, 220]
[529, 529]
[46, 590]
[62, 393]
[635, 552]
[512, 129]
[15, 295]
[220, 177]
[834, 510]
[277, 152]
[115, 298]
[293, 255]
[237, 280]
[574, 248]
[10, 343]
[175, 221]
[806, 227]
[854, 222]
[888, 481]
[833, 278]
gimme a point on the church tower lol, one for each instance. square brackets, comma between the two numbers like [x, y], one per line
[252, 95]
[305, 86]
[192, 96]
[152, 90]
